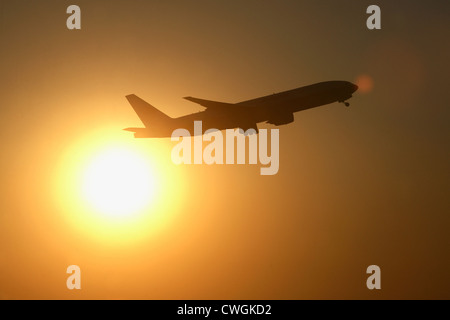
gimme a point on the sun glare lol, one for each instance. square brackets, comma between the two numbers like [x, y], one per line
[118, 183]
[365, 83]
[117, 189]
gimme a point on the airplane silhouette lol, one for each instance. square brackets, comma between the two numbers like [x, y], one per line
[277, 109]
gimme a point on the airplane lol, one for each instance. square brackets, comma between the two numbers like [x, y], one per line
[277, 109]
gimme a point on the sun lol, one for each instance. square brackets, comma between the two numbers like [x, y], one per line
[118, 183]
[116, 190]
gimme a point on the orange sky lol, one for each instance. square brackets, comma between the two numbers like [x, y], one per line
[356, 186]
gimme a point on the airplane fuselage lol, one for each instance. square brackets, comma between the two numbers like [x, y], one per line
[277, 109]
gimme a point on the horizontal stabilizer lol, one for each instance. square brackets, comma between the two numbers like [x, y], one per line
[132, 129]
[209, 103]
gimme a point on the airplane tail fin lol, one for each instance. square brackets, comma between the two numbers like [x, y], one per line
[146, 112]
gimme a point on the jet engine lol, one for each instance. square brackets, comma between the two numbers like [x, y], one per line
[280, 119]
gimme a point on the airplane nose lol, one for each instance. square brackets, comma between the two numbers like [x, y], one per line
[354, 87]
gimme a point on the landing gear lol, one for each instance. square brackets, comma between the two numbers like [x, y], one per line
[345, 103]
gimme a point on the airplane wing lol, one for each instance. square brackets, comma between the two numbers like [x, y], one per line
[209, 103]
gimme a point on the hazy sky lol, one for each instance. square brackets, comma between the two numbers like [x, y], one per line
[356, 186]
